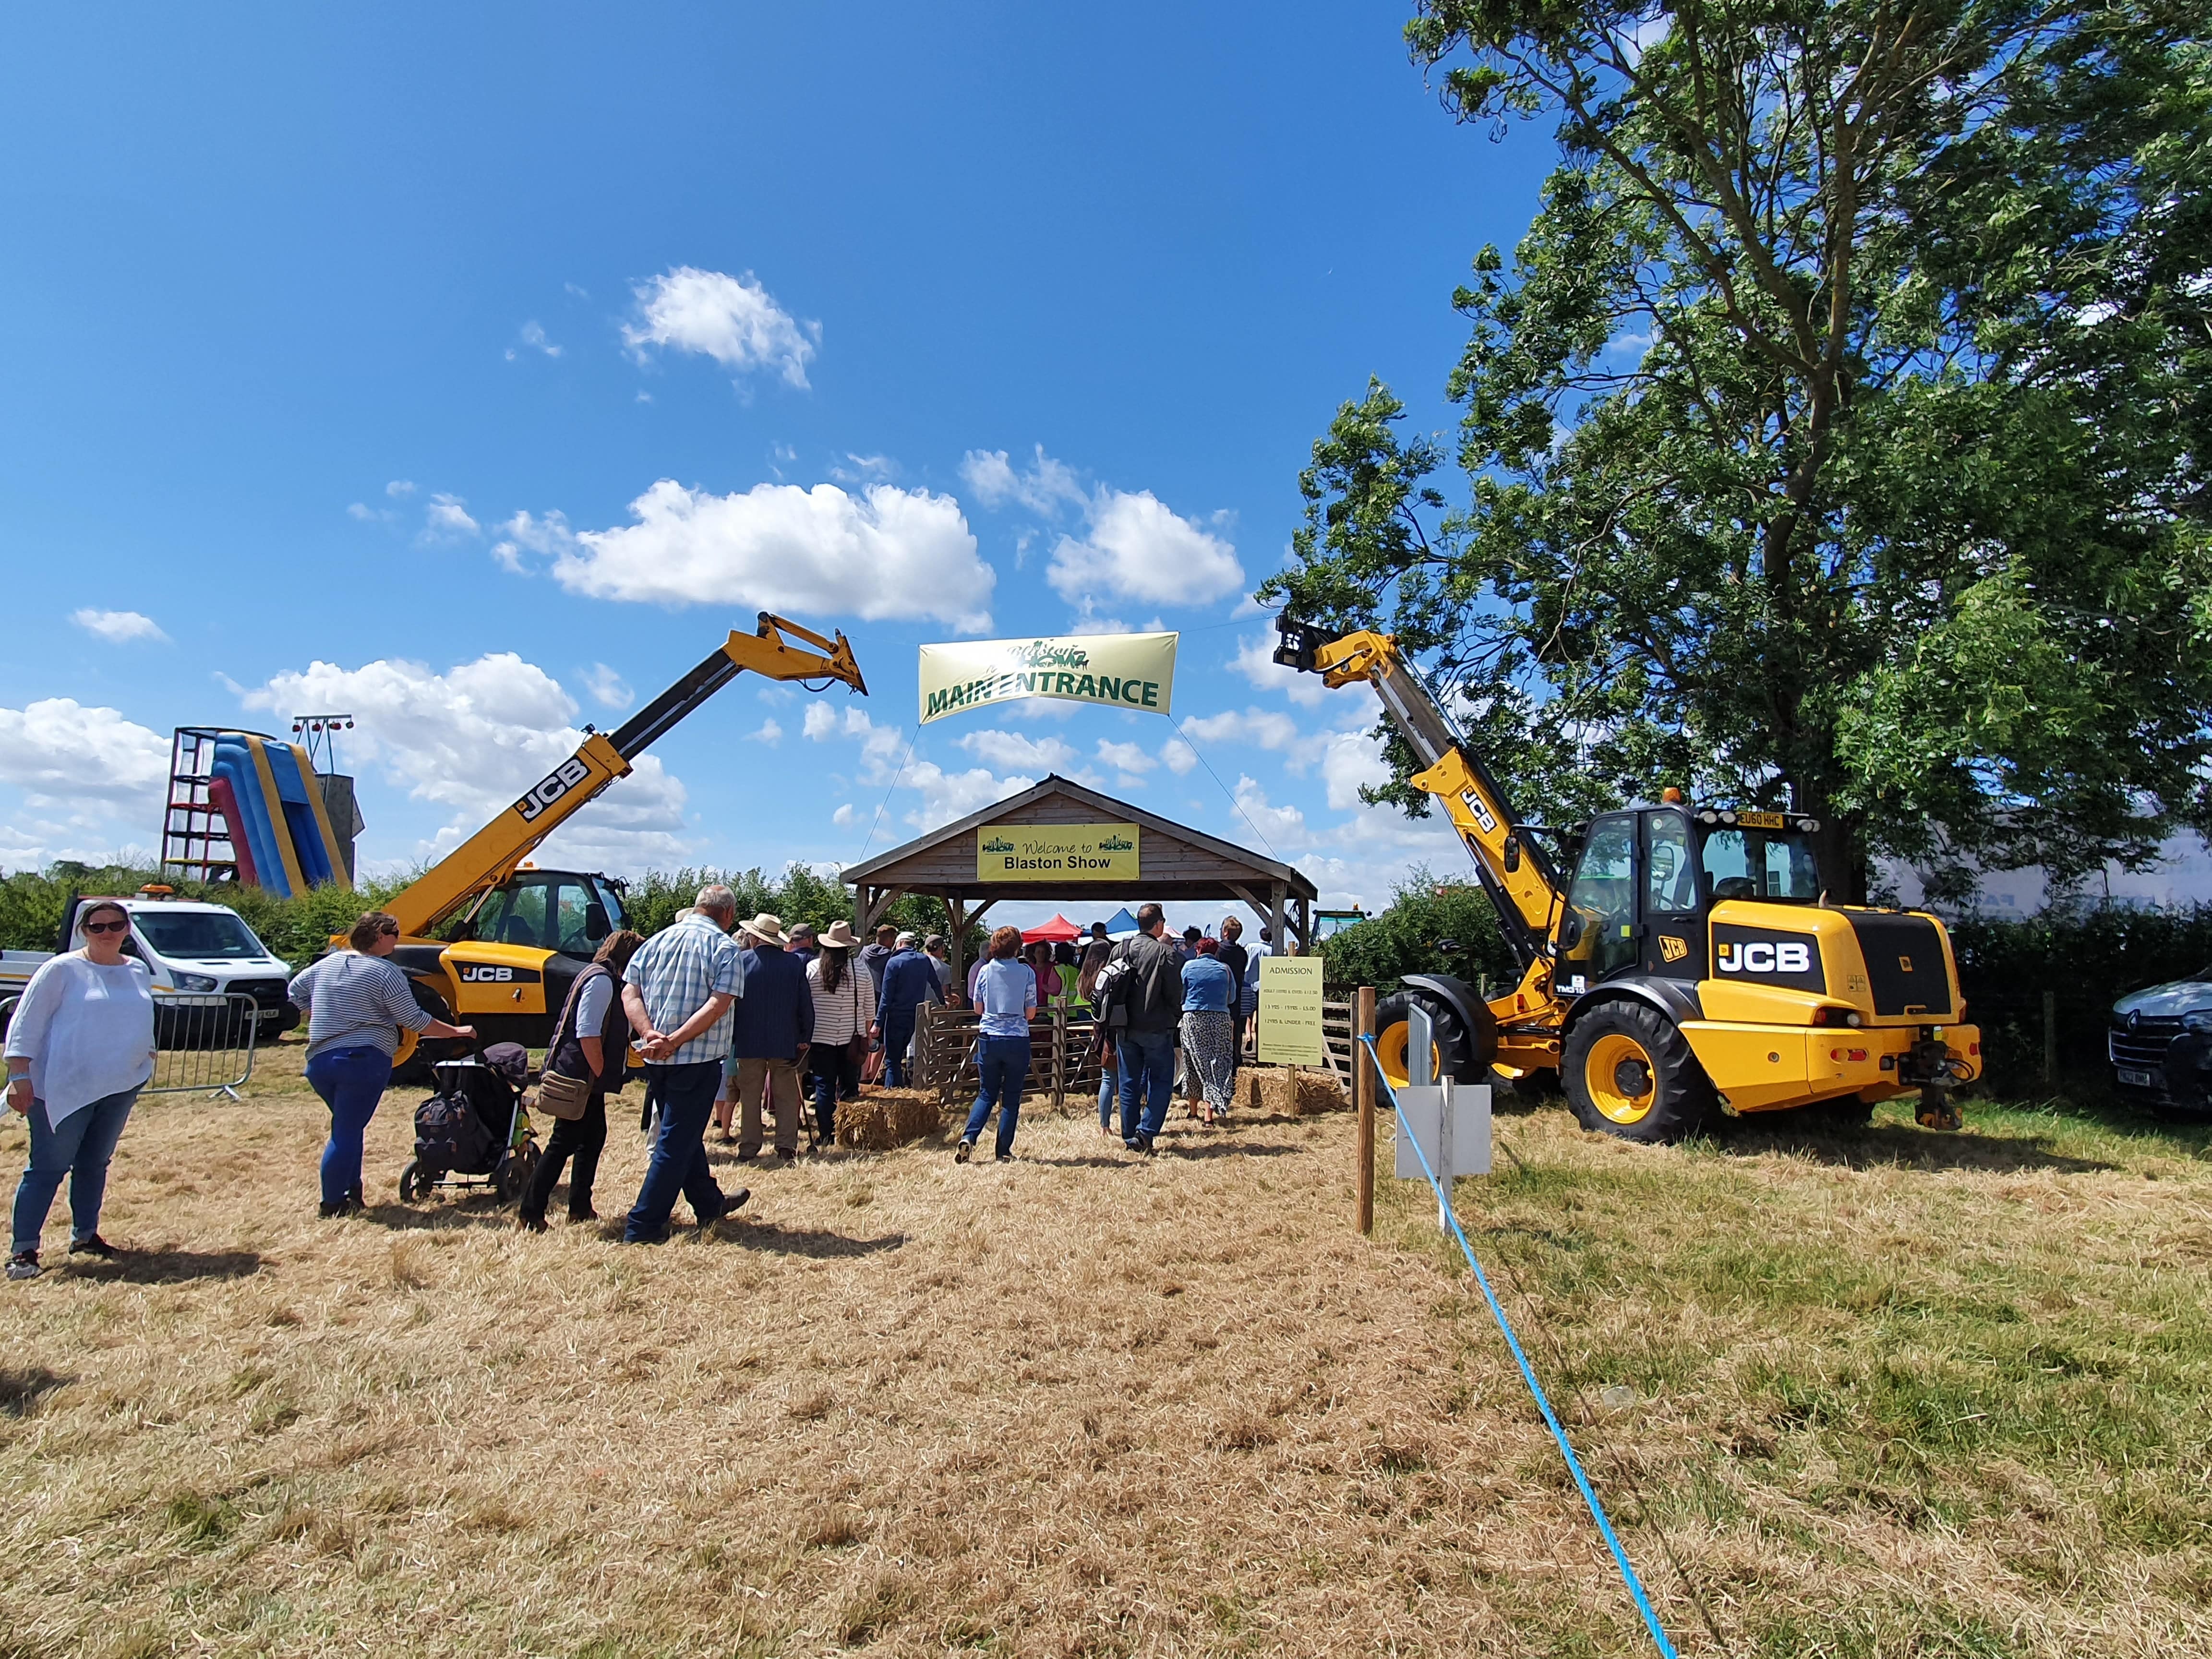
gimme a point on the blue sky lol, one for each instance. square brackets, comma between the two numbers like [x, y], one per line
[474, 369]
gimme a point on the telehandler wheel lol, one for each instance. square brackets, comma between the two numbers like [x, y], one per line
[1454, 1051]
[415, 1061]
[1628, 1072]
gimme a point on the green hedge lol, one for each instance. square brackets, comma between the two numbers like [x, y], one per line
[32, 903]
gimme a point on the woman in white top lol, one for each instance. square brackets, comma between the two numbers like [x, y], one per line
[80, 1049]
[844, 1003]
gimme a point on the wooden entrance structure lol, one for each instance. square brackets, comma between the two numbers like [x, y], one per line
[1177, 864]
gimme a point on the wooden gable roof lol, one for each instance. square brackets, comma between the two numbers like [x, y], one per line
[1174, 860]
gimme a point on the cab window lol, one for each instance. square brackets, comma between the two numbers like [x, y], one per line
[516, 914]
[576, 909]
[1670, 874]
[1603, 898]
[1777, 865]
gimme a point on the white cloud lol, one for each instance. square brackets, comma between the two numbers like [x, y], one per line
[1043, 488]
[1351, 760]
[1263, 728]
[448, 517]
[1136, 548]
[1126, 757]
[608, 688]
[732, 319]
[1011, 749]
[363, 512]
[118, 626]
[62, 755]
[400, 487]
[949, 795]
[533, 336]
[879, 744]
[845, 816]
[474, 738]
[1178, 757]
[1284, 827]
[882, 554]
[768, 732]
[1255, 661]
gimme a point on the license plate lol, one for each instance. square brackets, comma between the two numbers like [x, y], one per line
[2137, 1079]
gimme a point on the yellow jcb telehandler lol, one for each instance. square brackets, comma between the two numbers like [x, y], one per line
[1689, 960]
[492, 941]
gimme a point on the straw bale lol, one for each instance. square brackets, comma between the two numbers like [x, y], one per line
[1287, 1092]
[883, 1118]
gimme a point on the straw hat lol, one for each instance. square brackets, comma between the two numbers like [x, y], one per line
[839, 937]
[766, 928]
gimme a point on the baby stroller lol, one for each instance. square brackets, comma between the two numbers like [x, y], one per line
[474, 1132]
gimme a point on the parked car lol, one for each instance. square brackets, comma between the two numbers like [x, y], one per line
[2160, 1044]
[201, 956]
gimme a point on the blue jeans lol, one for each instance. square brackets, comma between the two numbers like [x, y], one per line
[1147, 1074]
[686, 1097]
[78, 1147]
[898, 1031]
[1109, 1092]
[351, 1082]
[1004, 1063]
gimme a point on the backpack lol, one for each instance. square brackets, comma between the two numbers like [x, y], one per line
[450, 1133]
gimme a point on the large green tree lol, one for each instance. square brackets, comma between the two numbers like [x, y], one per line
[1838, 435]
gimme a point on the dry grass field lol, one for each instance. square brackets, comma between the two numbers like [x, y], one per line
[1885, 1395]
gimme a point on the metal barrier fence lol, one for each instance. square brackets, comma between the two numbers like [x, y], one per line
[202, 1044]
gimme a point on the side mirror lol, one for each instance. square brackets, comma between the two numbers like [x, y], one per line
[1570, 929]
[1513, 853]
[596, 924]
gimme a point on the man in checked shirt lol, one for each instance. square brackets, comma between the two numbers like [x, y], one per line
[678, 993]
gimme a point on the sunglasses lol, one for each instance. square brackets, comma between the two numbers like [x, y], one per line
[106, 927]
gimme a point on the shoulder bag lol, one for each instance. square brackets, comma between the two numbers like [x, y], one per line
[561, 1096]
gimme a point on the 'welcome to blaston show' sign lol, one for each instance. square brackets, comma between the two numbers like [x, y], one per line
[1119, 670]
[1057, 852]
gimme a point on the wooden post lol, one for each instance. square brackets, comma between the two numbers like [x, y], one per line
[1060, 1060]
[1362, 1094]
[953, 943]
[2051, 1037]
[1279, 922]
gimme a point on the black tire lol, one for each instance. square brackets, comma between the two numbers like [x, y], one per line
[1462, 1055]
[428, 1051]
[412, 1185]
[512, 1178]
[1628, 1071]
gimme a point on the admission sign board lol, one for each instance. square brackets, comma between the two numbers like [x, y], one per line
[1057, 852]
[1118, 671]
[1289, 1011]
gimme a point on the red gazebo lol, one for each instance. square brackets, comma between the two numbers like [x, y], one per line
[1058, 931]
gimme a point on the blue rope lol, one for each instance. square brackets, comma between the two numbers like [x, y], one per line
[1527, 1373]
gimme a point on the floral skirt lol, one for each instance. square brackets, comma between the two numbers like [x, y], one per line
[1209, 1046]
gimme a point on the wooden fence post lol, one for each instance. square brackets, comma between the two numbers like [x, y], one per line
[1363, 1094]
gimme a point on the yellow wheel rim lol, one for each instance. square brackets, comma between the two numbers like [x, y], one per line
[1391, 1043]
[1620, 1078]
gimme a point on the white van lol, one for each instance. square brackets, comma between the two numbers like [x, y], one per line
[200, 955]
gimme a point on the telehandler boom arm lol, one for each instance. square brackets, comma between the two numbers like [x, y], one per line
[1514, 869]
[489, 857]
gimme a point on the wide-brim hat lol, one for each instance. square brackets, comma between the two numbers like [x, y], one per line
[766, 928]
[839, 937]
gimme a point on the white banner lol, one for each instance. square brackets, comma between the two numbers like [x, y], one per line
[1115, 671]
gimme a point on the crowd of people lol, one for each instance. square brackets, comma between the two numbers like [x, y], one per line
[739, 1023]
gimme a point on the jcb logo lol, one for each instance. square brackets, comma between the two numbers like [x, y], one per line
[1766, 956]
[1787, 960]
[1672, 949]
[550, 787]
[485, 973]
[1475, 804]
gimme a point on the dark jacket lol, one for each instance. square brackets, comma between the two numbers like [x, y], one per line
[775, 1014]
[1155, 992]
[909, 979]
[1236, 959]
[614, 1036]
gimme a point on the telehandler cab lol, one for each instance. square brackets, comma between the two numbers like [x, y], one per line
[1689, 960]
[491, 941]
